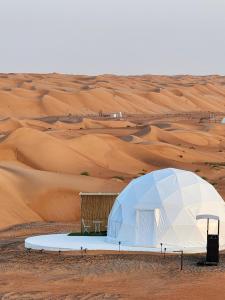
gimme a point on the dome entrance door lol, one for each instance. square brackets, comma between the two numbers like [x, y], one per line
[145, 227]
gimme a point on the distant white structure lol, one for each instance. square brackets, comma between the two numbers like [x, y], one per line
[161, 207]
[223, 121]
[117, 115]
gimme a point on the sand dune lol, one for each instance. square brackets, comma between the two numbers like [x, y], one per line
[28, 95]
[48, 139]
[109, 152]
[43, 152]
[9, 124]
[31, 195]
[177, 137]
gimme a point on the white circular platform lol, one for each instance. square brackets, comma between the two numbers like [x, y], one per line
[63, 242]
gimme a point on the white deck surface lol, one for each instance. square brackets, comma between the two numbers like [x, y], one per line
[63, 242]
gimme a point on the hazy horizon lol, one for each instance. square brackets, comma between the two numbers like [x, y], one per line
[114, 74]
[128, 37]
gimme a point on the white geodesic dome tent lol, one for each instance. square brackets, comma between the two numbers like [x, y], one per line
[161, 207]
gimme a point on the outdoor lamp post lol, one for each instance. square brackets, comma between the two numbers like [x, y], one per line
[119, 245]
[161, 247]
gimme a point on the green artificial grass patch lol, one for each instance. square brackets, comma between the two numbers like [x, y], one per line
[102, 233]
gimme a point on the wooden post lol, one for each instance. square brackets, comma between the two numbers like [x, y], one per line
[181, 260]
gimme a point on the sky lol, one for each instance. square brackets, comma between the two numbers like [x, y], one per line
[127, 37]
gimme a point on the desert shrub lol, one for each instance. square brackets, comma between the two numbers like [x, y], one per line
[118, 177]
[217, 165]
[205, 178]
[156, 90]
[197, 170]
[85, 87]
[85, 173]
[142, 173]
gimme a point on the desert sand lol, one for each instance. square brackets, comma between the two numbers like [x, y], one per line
[100, 275]
[53, 129]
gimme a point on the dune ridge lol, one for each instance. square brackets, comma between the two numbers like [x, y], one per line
[32, 95]
[54, 142]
